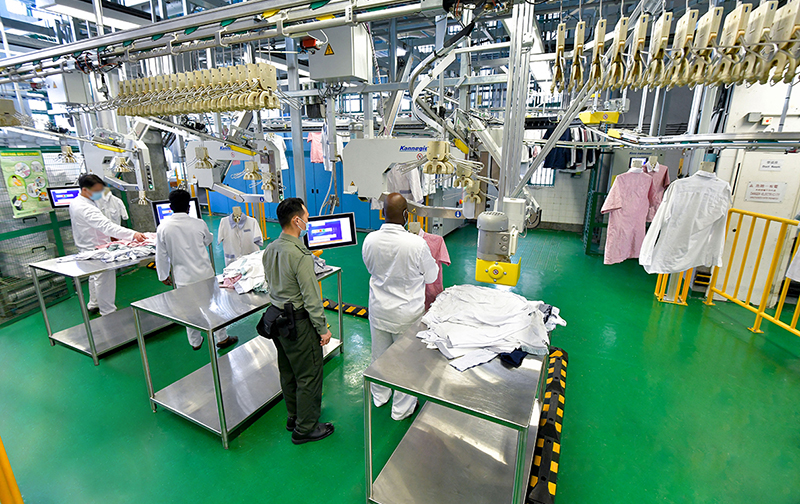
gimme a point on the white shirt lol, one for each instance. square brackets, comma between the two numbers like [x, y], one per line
[793, 272]
[407, 184]
[280, 145]
[90, 228]
[182, 241]
[688, 229]
[400, 264]
[239, 238]
[113, 208]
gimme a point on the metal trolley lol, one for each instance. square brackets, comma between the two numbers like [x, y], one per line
[244, 379]
[473, 440]
[101, 335]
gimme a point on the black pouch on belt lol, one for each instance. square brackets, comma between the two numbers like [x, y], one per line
[277, 323]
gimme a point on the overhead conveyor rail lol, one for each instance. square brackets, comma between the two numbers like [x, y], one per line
[234, 24]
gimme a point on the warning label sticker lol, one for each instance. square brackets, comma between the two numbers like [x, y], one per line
[765, 192]
[329, 50]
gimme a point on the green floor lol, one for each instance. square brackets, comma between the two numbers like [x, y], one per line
[664, 403]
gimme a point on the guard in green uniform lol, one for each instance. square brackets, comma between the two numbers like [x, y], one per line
[289, 270]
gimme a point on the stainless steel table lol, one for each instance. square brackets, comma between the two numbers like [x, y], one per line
[244, 379]
[473, 440]
[101, 335]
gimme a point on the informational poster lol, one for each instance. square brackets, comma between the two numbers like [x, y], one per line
[771, 165]
[765, 192]
[26, 180]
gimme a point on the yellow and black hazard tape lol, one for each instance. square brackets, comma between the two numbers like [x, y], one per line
[552, 415]
[547, 454]
[557, 371]
[544, 475]
[354, 310]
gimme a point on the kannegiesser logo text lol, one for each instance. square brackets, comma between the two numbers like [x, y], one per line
[408, 148]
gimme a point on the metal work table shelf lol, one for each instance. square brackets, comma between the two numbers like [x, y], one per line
[484, 418]
[101, 335]
[223, 394]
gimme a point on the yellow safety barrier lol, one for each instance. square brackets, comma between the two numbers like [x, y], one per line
[9, 491]
[684, 280]
[731, 260]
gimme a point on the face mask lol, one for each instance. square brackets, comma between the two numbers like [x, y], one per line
[97, 196]
[303, 231]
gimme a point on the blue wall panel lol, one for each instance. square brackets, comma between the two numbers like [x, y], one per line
[317, 183]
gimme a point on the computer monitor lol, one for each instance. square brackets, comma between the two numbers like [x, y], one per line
[162, 211]
[329, 231]
[61, 197]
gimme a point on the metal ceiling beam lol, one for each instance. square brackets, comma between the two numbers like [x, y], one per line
[28, 42]
[261, 30]
[247, 30]
[213, 16]
[207, 4]
[28, 27]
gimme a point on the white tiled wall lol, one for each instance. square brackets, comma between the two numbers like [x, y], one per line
[565, 202]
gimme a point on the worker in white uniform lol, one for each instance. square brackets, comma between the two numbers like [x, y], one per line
[182, 242]
[400, 264]
[91, 229]
[113, 207]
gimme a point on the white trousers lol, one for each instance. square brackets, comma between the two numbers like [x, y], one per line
[403, 405]
[196, 337]
[103, 292]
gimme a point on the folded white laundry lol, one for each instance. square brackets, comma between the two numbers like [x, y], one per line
[250, 272]
[466, 319]
[472, 359]
[116, 254]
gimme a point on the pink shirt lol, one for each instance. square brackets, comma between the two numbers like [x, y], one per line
[628, 202]
[442, 256]
[316, 147]
[660, 182]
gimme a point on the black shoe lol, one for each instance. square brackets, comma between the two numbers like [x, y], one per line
[229, 341]
[322, 431]
[291, 422]
[94, 311]
[198, 347]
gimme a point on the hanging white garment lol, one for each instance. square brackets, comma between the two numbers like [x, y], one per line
[326, 153]
[408, 184]
[239, 238]
[113, 208]
[182, 242]
[688, 229]
[793, 273]
[280, 144]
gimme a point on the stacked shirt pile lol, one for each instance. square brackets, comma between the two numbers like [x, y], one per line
[471, 325]
[245, 274]
[121, 250]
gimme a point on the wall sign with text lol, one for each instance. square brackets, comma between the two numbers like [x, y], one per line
[765, 192]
